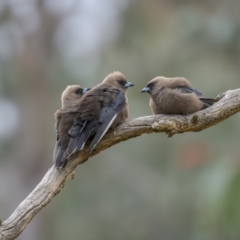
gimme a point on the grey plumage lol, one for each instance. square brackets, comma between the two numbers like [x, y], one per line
[175, 96]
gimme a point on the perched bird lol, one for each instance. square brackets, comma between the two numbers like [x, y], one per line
[64, 118]
[102, 108]
[175, 96]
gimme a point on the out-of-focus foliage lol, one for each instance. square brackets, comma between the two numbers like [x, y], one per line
[151, 187]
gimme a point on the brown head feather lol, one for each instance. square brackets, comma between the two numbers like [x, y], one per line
[116, 79]
[71, 94]
[163, 82]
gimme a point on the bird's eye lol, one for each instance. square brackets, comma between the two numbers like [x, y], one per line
[122, 82]
[150, 85]
[77, 91]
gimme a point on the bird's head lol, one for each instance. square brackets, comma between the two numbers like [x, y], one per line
[72, 94]
[156, 83]
[117, 79]
[159, 83]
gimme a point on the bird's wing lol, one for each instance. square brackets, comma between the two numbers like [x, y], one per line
[206, 101]
[78, 142]
[108, 114]
[67, 145]
[56, 147]
[185, 89]
[64, 122]
[59, 147]
[74, 134]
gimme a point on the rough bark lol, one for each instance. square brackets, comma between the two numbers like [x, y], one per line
[54, 180]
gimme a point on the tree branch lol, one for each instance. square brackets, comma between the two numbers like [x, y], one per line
[54, 180]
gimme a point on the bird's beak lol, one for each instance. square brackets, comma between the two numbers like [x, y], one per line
[146, 89]
[85, 90]
[128, 84]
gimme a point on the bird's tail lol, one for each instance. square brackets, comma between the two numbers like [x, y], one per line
[77, 142]
[59, 159]
[207, 102]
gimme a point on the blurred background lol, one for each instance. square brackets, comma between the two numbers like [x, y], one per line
[151, 187]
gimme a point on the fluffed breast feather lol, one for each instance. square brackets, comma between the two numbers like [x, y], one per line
[173, 101]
